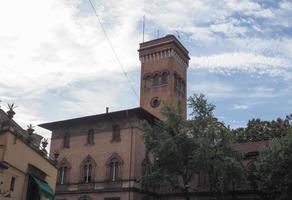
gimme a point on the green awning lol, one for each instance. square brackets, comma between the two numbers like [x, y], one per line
[44, 188]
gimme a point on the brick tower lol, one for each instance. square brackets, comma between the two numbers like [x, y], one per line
[164, 64]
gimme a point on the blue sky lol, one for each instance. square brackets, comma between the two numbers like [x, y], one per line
[55, 62]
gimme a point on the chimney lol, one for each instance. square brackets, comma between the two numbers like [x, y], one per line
[107, 108]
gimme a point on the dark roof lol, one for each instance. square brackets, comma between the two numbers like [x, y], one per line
[138, 112]
[252, 146]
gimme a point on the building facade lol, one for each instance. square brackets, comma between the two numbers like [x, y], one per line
[26, 173]
[101, 157]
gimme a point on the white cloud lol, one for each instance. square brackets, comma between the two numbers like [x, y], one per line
[243, 61]
[53, 45]
[240, 107]
[49, 46]
[212, 89]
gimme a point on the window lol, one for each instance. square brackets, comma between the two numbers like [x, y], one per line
[66, 140]
[12, 183]
[155, 80]
[90, 137]
[147, 83]
[179, 83]
[114, 169]
[155, 102]
[164, 78]
[87, 171]
[175, 81]
[183, 87]
[116, 133]
[63, 171]
[87, 167]
[114, 164]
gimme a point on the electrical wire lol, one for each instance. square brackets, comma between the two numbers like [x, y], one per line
[113, 50]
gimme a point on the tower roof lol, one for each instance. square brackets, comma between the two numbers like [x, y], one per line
[166, 41]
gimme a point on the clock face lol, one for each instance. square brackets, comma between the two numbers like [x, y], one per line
[155, 102]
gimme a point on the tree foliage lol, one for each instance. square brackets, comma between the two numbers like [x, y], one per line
[273, 172]
[259, 130]
[181, 148]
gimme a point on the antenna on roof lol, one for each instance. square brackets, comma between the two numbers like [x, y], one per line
[178, 36]
[143, 27]
[158, 33]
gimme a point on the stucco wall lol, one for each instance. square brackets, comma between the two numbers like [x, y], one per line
[19, 155]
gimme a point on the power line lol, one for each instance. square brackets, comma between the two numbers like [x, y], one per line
[113, 49]
[52, 91]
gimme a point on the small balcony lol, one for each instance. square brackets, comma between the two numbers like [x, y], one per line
[105, 185]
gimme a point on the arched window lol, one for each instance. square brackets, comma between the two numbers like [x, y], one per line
[164, 78]
[147, 83]
[63, 172]
[66, 140]
[175, 80]
[183, 87]
[155, 80]
[114, 164]
[90, 137]
[116, 135]
[179, 82]
[87, 170]
[114, 169]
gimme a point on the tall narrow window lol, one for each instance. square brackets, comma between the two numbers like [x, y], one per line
[116, 136]
[175, 81]
[12, 183]
[90, 137]
[66, 140]
[62, 175]
[183, 87]
[147, 80]
[155, 80]
[63, 171]
[114, 169]
[114, 164]
[179, 82]
[87, 170]
[164, 78]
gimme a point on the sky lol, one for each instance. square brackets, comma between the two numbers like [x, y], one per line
[56, 63]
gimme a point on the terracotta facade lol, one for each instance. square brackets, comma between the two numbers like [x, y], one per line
[128, 152]
[115, 161]
[164, 56]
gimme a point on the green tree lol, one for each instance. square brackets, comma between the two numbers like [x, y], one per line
[218, 158]
[180, 149]
[173, 150]
[273, 172]
[259, 130]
